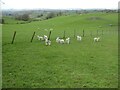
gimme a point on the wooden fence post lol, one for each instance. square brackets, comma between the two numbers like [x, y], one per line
[64, 34]
[74, 33]
[49, 35]
[83, 33]
[13, 37]
[32, 37]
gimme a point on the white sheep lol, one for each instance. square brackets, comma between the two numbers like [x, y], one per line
[79, 38]
[45, 37]
[39, 37]
[96, 39]
[47, 42]
[67, 40]
[62, 41]
[57, 39]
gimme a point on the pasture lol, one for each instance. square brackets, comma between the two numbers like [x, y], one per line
[85, 64]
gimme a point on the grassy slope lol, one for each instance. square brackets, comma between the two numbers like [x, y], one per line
[80, 64]
[11, 20]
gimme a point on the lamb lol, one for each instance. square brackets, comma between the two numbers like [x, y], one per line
[47, 42]
[45, 37]
[62, 41]
[39, 37]
[96, 39]
[79, 38]
[67, 40]
[57, 39]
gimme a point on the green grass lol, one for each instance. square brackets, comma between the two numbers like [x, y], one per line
[12, 20]
[82, 64]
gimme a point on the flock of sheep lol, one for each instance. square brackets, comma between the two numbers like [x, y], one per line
[61, 40]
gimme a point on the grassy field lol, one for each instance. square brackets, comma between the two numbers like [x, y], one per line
[84, 64]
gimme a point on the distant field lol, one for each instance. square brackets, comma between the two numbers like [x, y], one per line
[84, 64]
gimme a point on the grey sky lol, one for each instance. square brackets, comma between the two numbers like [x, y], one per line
[59, 4]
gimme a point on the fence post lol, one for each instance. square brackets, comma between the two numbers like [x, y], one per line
[74, 33]
[13, 37]
[49, 35]
[32, 37]
[64, 34]
[83, 33]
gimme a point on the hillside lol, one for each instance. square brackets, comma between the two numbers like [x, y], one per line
[84, 64]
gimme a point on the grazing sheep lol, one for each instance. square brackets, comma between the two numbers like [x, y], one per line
[79, 38]
[57, 39]
[96, 39]
[39, 37]
[47, 42]
[45, 37]
[62, 41]
[67, 40]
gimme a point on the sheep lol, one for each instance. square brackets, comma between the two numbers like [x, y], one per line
[62, 41]
[79, 38]
[57, 39]
[96, 39]
[39, 37]
[47, 42]
[45, 37]
[67, 40]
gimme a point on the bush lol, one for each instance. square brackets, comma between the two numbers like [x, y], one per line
[50, 15]
[2, 21]
[40, 15]
[59, 13]
[24, 17]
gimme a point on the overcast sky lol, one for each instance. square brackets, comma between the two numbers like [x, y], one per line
[59, 4]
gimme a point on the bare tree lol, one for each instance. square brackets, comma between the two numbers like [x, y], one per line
[24, 17]
[50, 15]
